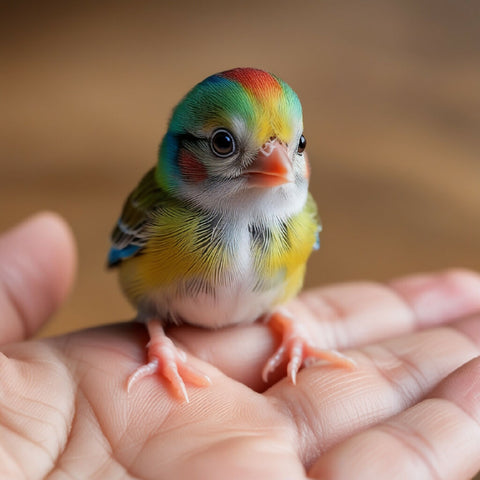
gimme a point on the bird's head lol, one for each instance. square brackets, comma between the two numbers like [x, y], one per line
[235, 142]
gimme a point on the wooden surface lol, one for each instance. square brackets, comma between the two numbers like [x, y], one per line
[391, 94]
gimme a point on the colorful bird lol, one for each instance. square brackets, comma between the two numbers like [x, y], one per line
[219, 231]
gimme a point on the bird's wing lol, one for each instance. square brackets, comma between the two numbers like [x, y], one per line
[131, 231]
[311, 208]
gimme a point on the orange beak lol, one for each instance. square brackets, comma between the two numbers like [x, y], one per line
[271, 167]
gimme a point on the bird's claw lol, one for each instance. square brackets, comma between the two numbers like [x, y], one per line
[171, 362]
[297, 349]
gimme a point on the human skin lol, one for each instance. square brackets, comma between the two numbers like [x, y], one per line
[411, 409]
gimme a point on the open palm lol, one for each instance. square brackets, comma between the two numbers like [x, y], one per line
[410, 410]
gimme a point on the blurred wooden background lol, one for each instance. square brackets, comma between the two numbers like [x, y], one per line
[391, 94]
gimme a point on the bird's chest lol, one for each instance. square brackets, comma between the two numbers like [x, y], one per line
[230, 287]
[212, 272]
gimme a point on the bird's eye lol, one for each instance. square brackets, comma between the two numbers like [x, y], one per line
[302, 143]
[222, 143]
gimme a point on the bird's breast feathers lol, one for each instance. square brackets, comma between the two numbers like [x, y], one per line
[211, 271]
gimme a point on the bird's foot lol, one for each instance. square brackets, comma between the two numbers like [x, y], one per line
[169, 361]
[297, 349]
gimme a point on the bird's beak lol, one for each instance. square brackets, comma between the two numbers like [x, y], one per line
[271, 167]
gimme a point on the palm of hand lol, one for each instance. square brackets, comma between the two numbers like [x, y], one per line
[65, 408]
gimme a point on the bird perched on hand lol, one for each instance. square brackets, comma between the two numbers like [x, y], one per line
[218, 233]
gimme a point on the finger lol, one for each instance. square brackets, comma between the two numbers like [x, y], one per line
[37, 260]
[331, 404]
[437, 438]
[338, 317]
[436, 299]
[350, 315]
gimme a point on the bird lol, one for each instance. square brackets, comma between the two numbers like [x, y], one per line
[219, 231]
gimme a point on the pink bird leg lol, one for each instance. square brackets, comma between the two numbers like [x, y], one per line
[168, 360]
[296, 347]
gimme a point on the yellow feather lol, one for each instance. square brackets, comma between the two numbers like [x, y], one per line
[181, 247]
[289, 251]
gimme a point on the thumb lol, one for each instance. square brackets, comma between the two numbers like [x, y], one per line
[37, 264]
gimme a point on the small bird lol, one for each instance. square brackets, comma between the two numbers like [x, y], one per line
[218, 233]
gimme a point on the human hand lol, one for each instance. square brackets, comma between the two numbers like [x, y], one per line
[410, 410]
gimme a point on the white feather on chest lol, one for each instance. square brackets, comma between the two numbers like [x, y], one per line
[232, 300]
